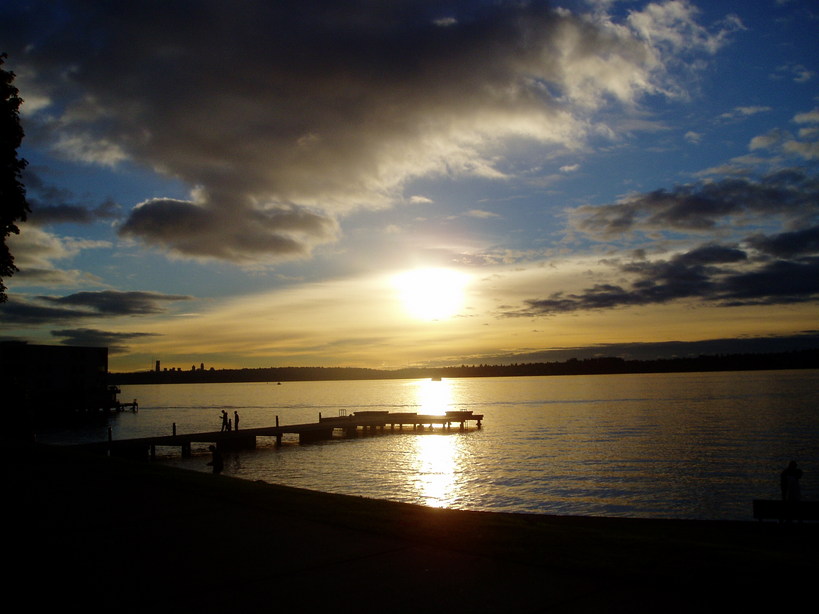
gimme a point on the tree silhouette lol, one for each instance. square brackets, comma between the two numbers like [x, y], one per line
[13, 204]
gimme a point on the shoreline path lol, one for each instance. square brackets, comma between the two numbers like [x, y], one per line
[113, 535]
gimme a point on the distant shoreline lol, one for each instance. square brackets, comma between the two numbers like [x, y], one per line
[799, 359]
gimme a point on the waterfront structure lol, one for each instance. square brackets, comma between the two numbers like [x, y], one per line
[46, 384]
[367, 422]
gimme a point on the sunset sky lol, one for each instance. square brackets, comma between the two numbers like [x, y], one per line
[384, 184]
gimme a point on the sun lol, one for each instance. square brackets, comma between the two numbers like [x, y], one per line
[431, 294]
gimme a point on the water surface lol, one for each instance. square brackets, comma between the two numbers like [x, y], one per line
[686, 445]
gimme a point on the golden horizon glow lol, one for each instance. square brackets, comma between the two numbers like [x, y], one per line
[431, 293]
[359, 322]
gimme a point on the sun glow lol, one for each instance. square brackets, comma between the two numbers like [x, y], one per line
[431, 294]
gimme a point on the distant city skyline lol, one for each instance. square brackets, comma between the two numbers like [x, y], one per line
[413, 183]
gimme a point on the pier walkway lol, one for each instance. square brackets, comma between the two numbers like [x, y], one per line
[326, 428]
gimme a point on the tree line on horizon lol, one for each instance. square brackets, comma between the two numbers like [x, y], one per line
[798, 359]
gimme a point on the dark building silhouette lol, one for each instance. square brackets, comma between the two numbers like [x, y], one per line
[45, 384]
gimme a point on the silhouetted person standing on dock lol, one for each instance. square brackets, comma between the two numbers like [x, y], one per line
[217, 463]
[236, 420]
[789, 482]
[224, 420]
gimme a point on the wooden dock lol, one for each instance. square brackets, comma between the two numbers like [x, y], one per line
[326, 428]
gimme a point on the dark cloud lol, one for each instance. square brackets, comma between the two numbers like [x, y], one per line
[113, 303]
[18, 312]
[42, 214]
[53, 205]
[775, 283]
[208, 231]
[717, 274]
[292, 113]
[788, 244]
[779, 267]
[791, 195]
[89, 337]
[82, 306]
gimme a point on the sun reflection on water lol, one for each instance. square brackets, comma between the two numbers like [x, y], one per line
[437, 455]
[434, 397]
[437, 461]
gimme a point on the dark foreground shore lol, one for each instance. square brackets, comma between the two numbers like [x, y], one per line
[103, 534]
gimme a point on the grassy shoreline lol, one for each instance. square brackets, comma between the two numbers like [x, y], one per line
[92, 509]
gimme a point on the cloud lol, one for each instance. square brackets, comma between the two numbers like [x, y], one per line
[805, 145]
[89, 337]
[715, 274]
[778, 264]
[684, 275]
[743, 112]
[84, 305]
[790, 194]
[288, 115]
[810, 117]
[52, 205]
[777, 282]
[22, 312]
[88, 147]
[417, 199]
[673, 24]
[110, 302]
[239, 234]
[768, 140]
[481, 214]
[797, 72]
[71, 214]
[36, 252]
[775, 149]
[788, 244]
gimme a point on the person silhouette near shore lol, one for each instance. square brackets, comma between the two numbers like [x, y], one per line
[216, 462]
[789, 482]
[224, 420]
[236, 421]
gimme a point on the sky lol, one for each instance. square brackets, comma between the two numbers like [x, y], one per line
[415, 183]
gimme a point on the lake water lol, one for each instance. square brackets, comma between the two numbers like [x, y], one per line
[684, 445]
